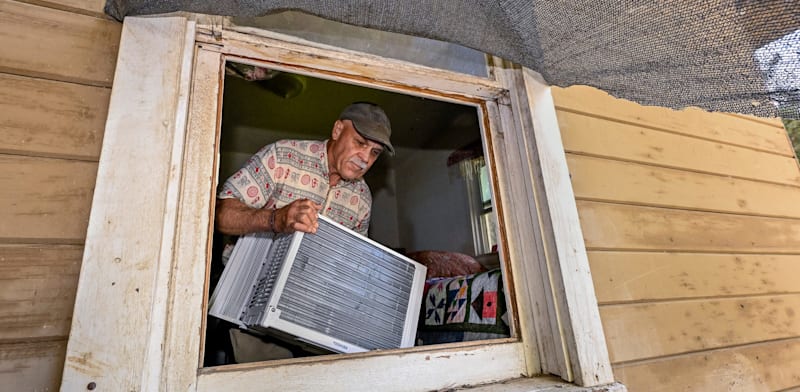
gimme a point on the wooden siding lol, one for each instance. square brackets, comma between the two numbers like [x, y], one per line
[55, 44]
[32, 365]
[693, 238]
[55, 72]
[765, 366]
[37, 290]
[87, 7]
[73, 124]
[47, 200]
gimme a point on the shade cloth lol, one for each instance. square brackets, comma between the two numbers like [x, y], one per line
[722, 55]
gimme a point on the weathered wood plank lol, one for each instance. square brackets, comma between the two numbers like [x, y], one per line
[769, 366]
[299, 58]
[46, 199]
[54, 44]
[31, 366]
[191, 196]
[775, 122]
[595, 136]
[639, 331]
[609, 180]
[87, 7]
[42, 117]
[569, 271]
[418, 371]
[616, 226]
[640, 276]
[538, 327]
[691, 121]
[37, 289]
[125, 235]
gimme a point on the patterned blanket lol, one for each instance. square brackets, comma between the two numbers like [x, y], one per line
[467, 307]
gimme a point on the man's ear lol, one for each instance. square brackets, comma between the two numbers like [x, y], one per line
[338, 128]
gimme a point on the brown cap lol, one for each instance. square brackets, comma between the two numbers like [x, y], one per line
[370, 121]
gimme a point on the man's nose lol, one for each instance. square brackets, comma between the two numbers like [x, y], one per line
[363, 154]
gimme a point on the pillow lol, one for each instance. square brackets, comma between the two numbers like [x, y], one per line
[443, 264]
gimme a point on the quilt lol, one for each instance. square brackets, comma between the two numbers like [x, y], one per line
[465, 307]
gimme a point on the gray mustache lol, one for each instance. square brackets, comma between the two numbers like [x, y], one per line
[359, 163]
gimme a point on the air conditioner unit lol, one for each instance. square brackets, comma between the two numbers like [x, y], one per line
[334, 289]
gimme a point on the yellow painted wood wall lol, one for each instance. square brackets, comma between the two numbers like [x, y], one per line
[56, 68]
[692, 225]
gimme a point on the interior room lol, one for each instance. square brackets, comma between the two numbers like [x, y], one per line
[432, 200]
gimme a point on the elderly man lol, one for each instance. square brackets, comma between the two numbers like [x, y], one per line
[286, 184]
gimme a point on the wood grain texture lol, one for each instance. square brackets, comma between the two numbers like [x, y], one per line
[252, 43]
[599, 137]
[768, 366]
[763, 134]
[87, 7]
[569, 271]
[775, 122]
[538, 330]
[43, 117]
[524, 247]
[47, 200]
[615, 227]
[54, 44]
[416, 371]
[639, 331]
[31, 366]
[685, 215]
[610, 180]
[643, 276]
[37, 290]
[190, 195]
[124, 237]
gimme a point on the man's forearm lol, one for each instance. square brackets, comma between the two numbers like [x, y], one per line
[235, 218]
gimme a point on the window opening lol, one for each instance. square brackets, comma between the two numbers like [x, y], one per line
[421, 206]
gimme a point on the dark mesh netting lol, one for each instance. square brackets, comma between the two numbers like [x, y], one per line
[722, 55]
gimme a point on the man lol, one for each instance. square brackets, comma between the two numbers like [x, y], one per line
[286, 184]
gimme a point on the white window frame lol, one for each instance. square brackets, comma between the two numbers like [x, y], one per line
[138, 316]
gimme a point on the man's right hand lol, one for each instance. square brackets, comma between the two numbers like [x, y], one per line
[236, 218]
[299, 215]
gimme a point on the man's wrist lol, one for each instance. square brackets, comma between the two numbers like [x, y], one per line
[271, 220]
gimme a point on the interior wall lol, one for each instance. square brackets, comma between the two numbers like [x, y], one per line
[432, 205]
[383, 225]
[692, 228]
[56, 71]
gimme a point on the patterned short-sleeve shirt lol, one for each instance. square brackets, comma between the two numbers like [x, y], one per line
[289, 170]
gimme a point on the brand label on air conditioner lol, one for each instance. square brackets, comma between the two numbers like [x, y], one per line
[341, 346]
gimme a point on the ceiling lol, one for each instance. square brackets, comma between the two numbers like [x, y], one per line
[256, 113]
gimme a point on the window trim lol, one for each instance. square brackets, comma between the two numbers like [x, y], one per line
[155, 343]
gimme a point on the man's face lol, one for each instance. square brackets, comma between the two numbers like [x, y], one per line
[351, 155]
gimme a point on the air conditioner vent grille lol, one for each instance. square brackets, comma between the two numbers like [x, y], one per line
[342, 287]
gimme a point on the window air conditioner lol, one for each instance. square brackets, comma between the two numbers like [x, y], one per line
[335, 289]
